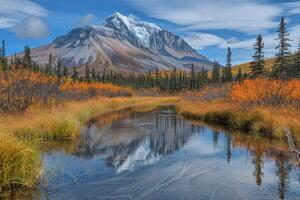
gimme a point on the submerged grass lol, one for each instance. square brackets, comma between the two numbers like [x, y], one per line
[20, 163]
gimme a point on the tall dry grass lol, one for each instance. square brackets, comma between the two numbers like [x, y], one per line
[63, 122]
[266, 121]
[19, 163]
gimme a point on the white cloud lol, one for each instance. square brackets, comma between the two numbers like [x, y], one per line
[31, 27]
[293, 8]
[15, 10]
[24, 18]
[6, 22]
[240, 15]
[202, 40]
[269, 41]
[87, 19]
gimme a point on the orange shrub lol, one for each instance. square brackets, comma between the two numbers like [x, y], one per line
[82, 90]
[21, 88]
[209, 93]
[264, 92]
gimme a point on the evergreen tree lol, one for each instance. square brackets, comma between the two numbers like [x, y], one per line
[27, 62]
[75, 75]
[281, 67]
[239, 76]
[3, 60]
[2, 52]
[88, 75]
[257, 66]
[49, 65]
[173, 84]
[65, 72]
[227, 74]
[192, 78]
[157, 77]
[94, 75]
[216, 73]
[297, 62]
[59, 70]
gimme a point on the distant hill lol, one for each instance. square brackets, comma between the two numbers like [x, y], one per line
[269, 63]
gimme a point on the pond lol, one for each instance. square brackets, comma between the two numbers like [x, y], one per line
[161, 155]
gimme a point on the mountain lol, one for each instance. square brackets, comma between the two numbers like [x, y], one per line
[125, 44]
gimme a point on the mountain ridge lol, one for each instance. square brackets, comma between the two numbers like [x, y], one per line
[124, 44]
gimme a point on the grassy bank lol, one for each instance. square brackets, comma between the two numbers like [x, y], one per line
[20, 163]
[265, 121]
[64, 122]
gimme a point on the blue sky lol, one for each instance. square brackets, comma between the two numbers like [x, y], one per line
[208, 26]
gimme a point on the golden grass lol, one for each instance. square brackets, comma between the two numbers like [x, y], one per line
[64, 122]
[266, 121]
[19, 163]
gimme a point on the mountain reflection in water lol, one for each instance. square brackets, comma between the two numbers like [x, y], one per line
[160, 155]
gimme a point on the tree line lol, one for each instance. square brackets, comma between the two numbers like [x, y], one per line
[287, 66]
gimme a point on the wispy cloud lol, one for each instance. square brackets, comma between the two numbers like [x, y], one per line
[31, 27]
[239, 15]
[202, 40]
[86, 20]
[24, 18]
[293, 8]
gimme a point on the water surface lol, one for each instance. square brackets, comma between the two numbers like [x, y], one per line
[160, 155]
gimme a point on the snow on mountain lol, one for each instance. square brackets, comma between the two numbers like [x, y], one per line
[142, 30]
[125, 44]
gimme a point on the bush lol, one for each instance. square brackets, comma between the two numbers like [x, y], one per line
[83, 90]
[264, 92]
[20, 89]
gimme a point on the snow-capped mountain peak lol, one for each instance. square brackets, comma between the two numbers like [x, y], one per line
[122, 43]
[129, 26]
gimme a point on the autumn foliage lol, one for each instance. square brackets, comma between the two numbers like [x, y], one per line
[264, 92]
[19, 89]
[83, 90]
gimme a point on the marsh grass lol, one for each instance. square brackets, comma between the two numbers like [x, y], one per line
[64, 122]
[22, 135]
[19, 163]
[265, 121]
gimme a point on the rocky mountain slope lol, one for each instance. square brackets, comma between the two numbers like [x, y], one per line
[125, 44]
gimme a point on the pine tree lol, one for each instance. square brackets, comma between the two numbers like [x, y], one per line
[75, 75]
[281, 67]
[193, 78]
[2, 54]
[49, 65]
[216, 73]
[297, 62]
[59, 70]
[94, 75]
[227, 74]
[239, 76]
[65, 72]
[3, 60]
[88, 75]
[257, 66]
[27, 62]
